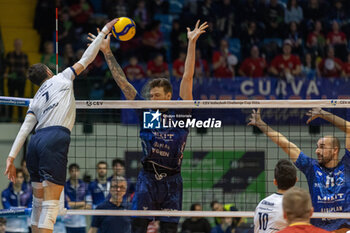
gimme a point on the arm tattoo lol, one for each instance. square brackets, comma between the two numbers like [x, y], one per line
[119, 77]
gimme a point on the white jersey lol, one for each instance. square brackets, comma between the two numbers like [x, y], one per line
[268, 215]
[54, 102]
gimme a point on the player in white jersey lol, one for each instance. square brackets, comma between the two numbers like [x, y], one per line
[53, 110]
[268, 215]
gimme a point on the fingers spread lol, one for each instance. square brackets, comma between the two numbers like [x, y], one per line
[197, 24]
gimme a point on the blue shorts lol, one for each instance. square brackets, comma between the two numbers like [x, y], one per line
[153, 194]
[47, 155]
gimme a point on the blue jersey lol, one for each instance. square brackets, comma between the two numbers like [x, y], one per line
[98, 192]
[164, 146]
[329, 188]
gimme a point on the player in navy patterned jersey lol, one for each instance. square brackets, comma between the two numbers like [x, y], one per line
[52, 110]
[328, 178]
[159, 185]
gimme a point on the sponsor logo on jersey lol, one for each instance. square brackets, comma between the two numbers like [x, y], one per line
[331, 198]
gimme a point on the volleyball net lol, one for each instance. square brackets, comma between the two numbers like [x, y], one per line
[224, 159]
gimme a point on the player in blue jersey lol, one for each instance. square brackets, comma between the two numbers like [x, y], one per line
[327, 176]
[52, 111]
[159, 185]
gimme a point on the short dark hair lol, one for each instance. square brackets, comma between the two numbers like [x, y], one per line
[285, 174]
[19, 170]
[101, 162]
[193, 206]
[118, 161]
[213, 203]
[161, 82]
[2, 221]
[72, 166]
[37, 73]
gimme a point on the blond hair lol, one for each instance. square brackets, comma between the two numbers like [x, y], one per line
[297, 204]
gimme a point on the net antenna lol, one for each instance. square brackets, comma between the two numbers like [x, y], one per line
[56, 40]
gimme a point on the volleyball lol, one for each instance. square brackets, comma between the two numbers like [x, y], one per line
[124, 29]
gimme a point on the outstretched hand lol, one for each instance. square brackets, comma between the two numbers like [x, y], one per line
[10, 170]
[110, 24]
[105, 45]
[255, 118]
[313, 114]
[197, 31]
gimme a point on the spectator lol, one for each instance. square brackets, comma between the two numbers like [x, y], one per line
[16, 196]
[286, 65]
[133, 70]
[251, 36]
[117, 8]
[316, 40]
[296, 38]
[225, 226]
[338, 40]
[225, 21]
[179, 64]
[195, 224]
[16, 68]
[68, 55]
[308, 69]
[49, 57]
[293, 12]
[178, 39]
[115, 224]
[2, 225]
[157, 68]
[43, 21]
[66, 33]
[297, 210]
[118, 166]
[221, 65]
[159, 7]
[201, 68]
[216, 206]
[77, 197]
[346, 69]
[26, 183]
[153, 41]
[141, 16]
[207, 10]
[254, 66]
[313, 11]
[153, 226]
[274, 19]
[338, 12]
[330, 66]
[248, 11]
[268, 215]
[99, 188]
[80, 13]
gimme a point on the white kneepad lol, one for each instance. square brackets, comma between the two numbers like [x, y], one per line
[36, 210]
[48, 214]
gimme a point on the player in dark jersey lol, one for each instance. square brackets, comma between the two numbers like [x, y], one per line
[327, 177]
[159, 185]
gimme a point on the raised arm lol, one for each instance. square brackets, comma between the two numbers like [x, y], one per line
[339, 122]
[26, 128]
[117, 72]
[91, 52]
[187, 78]
[290, 148]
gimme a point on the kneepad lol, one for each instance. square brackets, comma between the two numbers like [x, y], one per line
[139, 225]
[48, 214]
[36, 210]
[168, 227]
